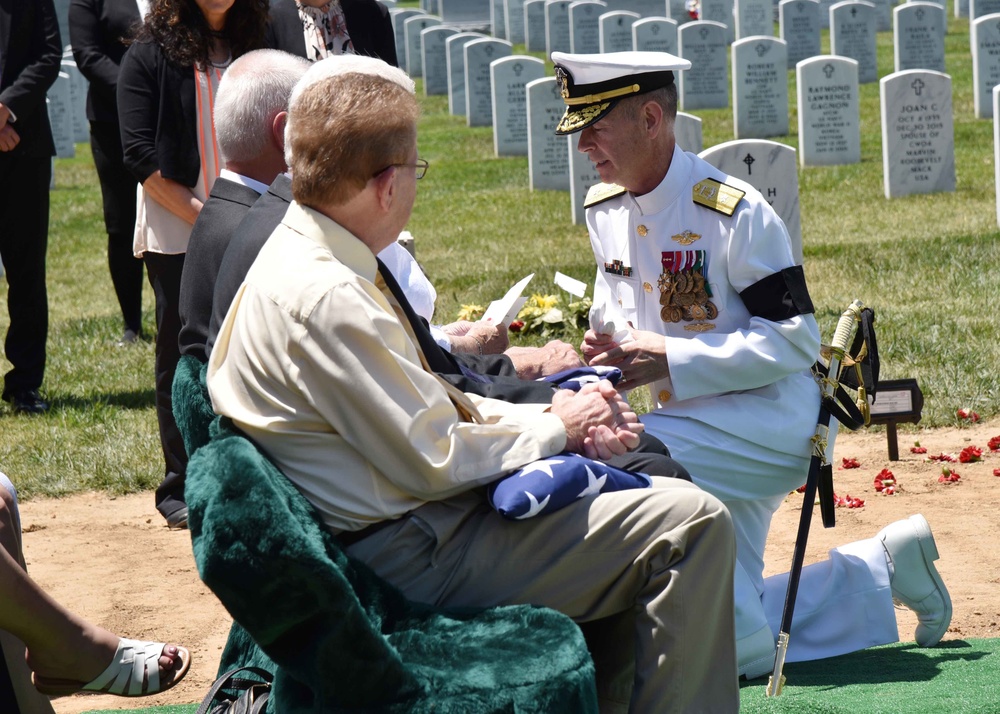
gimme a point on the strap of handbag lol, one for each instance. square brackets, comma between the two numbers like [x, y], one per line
[250, 698]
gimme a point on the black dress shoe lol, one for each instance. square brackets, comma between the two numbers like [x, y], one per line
[178, 520]
[130, 337]
[28, 401]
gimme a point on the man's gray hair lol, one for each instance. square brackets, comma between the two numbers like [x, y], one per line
[253, 90]
[343, 64]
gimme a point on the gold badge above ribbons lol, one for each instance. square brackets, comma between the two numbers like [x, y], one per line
[717, 196]
[686, 238]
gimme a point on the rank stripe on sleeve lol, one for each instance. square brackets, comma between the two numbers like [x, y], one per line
[716, 196]
[601, 192]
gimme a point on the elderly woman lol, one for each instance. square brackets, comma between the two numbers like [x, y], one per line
[166, 90]
[316, 29]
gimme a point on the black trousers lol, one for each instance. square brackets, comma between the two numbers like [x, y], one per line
[165, 278]
[118, 189]
[24, 236]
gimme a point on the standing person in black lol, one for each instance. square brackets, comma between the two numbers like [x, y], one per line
[98, 30]
[30, 51]
[315, 29]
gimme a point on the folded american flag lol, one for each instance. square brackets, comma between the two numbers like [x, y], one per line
[549, 484]
[578, 376]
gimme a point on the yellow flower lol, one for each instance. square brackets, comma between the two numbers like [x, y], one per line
[471, 312]
[545, 302]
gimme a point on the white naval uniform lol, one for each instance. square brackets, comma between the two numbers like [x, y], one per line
[740, 405]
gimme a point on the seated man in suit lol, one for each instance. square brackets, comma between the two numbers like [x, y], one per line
[314, 363]
[250, 113]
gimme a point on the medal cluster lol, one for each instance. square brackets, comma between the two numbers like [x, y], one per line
[683, 297]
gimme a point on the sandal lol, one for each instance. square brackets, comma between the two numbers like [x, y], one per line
[134, 661]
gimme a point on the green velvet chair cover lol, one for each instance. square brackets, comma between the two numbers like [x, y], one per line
[336, 636]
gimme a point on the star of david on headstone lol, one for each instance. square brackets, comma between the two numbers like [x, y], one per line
[828, 70]
[748, 160]
[918, 86]
[703, 32]
[761, 49]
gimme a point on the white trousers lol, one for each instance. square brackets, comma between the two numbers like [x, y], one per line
[844, 603]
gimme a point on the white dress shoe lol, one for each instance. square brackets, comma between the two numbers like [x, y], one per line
[915, 582]
[755, 653]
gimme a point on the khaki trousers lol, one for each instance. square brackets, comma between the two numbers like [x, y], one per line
[661, 557]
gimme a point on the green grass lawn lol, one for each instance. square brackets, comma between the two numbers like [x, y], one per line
[928, 265]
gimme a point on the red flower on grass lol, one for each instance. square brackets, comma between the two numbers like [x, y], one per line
[942, 457]
[917, 448]
[968, 415]
[848, 501]
[948, 476]
[970, 454]
[516, 325]
[994, 443]
[885, 482]
[850, 463]
[996, 472]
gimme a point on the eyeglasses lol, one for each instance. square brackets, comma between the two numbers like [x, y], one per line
[420, 165]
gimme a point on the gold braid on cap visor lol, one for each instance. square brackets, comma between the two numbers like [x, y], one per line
[578, 118]
[600, 96]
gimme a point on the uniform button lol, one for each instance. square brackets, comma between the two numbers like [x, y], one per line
[642, 230]
[665, 396]
[647, 287]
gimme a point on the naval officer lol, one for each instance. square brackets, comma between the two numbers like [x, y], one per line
[698, 296]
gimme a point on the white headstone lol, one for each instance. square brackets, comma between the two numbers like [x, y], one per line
[455, 54]
[534, 25]
[509, 77]
[655, 34]
[399, 16]
[961, 8]
[772, 169]
[585, 31]
[677, 11]
[985, 62]
[996, 150]
[431, 7]
[557, 34]
[434, 59]
[918, 135]
[883, 14]
[60, 108]
[799, 26]
[498, 19]
[720, 11]
[582, 175]
[412, 27]
[616, 31]
[478, 94]
[706, 84]
[643, 8]
[760, 88]
[513, 14]
[824, 12]
[829, 111]
[982, 8]
[62, 17]
[918, 36]
[852, 34]
[548, 160]
[469, 14]
[78, 92]
[754, 17]
[687, 132]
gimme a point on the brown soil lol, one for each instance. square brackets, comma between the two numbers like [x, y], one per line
[113, 561]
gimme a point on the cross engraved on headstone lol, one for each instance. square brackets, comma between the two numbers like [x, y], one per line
[489, 50]
[828, 70]
[655, 29]
[748, 160]
[518, 68]
[800, 7]
[621, 20]
[920, 14]
[854, 11]
[703, 32]
[761, 49]
[918, 86]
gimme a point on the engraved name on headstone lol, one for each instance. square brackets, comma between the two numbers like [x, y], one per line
[760, 88]
[60, 106]
[654, 34]
[557, 34]
[918, 36]
[534, 25]
[585, 30]
[799, 26]
[582, 175]
[412, 27]
[754, 17]
[478, 94]
[398, 17]
[434, 59]
[706, 84]
[455, 54]
[720, 11]
[513, 14]
[985, 36]
[509, 77]
[829, 111]
[548, 160]
[852, 34]
[498, 20]
[616, 31]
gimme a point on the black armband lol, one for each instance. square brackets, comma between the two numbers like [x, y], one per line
[779, 296]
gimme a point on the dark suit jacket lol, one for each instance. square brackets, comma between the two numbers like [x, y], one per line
[96, 32]
[226, 206]
[489, 376]
[30, 52]
[156, 107]
[368, 25]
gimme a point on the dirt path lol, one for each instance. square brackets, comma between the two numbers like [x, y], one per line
[114, 562]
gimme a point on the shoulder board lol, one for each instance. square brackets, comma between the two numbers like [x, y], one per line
[717, 196]
[602, 192]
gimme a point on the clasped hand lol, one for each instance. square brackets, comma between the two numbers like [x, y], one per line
[599, 423]
[642, 360]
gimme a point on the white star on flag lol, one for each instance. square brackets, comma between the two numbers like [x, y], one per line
[544, 466]
[594, 484]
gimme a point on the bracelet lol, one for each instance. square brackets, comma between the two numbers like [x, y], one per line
[479, 343]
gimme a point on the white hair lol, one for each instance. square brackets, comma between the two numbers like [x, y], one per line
[343, 64]
[256, 86]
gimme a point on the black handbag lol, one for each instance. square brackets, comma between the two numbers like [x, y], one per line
[232, 694]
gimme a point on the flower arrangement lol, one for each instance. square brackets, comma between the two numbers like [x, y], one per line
[543, 315]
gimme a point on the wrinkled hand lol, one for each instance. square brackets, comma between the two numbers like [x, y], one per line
[481, 338]
[8, 138]
[457, 329]
[536, 362]
[599, 423]
[4, 114]
[642, 360]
